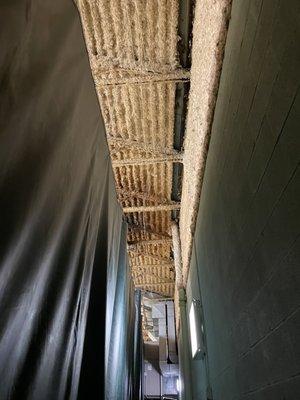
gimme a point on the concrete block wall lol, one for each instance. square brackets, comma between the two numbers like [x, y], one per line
[247, 247]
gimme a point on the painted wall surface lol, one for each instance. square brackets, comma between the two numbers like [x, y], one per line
[246, 246]
[198, 366]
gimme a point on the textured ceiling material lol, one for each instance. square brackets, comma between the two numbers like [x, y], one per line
[209, 36]
[132, 46]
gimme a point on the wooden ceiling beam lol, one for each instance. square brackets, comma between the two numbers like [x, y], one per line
[120, 143]
[151, 242]
[158, 207]
[163, 158]
[127, 195]
[149, 72]
[148, 266]
[154, 284]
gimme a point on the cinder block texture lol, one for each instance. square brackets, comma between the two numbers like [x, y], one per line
[246, 245]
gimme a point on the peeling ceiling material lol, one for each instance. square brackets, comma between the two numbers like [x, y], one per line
[132, 46]
[209, 36]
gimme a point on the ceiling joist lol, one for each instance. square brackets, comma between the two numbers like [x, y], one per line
[129, 195]
[158, 207]
[120, 142]
[137, 77]
[149, 266]
[161, 159]
[149, 242]
[154, 284]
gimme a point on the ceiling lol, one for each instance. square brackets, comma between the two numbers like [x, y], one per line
[133, 49]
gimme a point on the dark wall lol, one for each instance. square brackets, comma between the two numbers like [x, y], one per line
[62, 237]
[247, 246]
